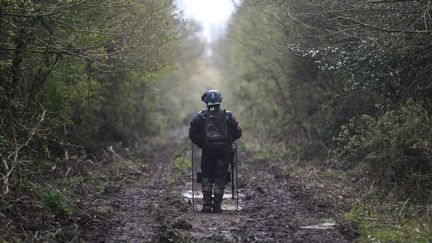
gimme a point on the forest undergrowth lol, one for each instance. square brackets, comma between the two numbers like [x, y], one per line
[84, 86]
[382, 215]
[56, 206]
[336, 94]
[341, 93]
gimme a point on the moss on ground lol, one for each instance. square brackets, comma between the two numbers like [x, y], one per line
[391, 222]
[172, 217]
[171, 207]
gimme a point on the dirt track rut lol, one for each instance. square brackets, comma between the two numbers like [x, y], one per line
[274, 208]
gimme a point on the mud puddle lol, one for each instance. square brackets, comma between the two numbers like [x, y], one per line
[272, 208]
[323, 226]
[229, 204]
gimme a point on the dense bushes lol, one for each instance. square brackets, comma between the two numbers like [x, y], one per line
[396, 146]
[314, 77]
[81, 74]
[77, 78]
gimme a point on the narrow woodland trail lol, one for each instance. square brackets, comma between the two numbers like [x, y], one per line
[274, 208]
[135, 216]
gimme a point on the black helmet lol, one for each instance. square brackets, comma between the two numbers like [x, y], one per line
[212, 97]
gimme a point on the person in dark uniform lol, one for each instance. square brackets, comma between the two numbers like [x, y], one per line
[214, 130]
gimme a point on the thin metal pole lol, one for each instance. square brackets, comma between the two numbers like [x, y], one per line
[193, 181]
[232, 180]
[236, 171]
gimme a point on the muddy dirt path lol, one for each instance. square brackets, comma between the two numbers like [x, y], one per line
[132, 212]
[273, 208]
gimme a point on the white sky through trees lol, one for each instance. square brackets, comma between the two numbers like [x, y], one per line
[212, 15]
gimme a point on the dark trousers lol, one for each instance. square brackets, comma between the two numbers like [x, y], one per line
[215, 163]
[214, 167]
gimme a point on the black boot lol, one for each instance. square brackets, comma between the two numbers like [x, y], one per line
[207, 195]
[217, 204]
[218, 194]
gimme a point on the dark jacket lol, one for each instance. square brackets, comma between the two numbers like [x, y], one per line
[196, 129]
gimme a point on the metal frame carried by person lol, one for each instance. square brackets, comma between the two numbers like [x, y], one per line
[231, 177]
[214, 130]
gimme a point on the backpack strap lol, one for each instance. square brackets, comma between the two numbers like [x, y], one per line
[225, 123]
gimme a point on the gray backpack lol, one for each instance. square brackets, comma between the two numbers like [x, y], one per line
[216, 130]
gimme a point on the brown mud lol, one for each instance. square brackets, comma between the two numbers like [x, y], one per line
[273, 208]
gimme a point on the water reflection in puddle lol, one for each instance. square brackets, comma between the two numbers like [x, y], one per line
[323, 226]
[228, 204]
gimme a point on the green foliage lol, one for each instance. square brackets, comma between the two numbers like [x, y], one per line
[277, 87]
[180, 162]
[173, 225]
[262, 155]
[379, 223]
[310, 78]
[77, 77]
[57, 205]
[396, 146]
[4, 143]
[333, 81]
[2, 216]
[3, 206]
[83, 75]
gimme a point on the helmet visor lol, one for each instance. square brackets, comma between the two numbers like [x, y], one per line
[213, 103]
